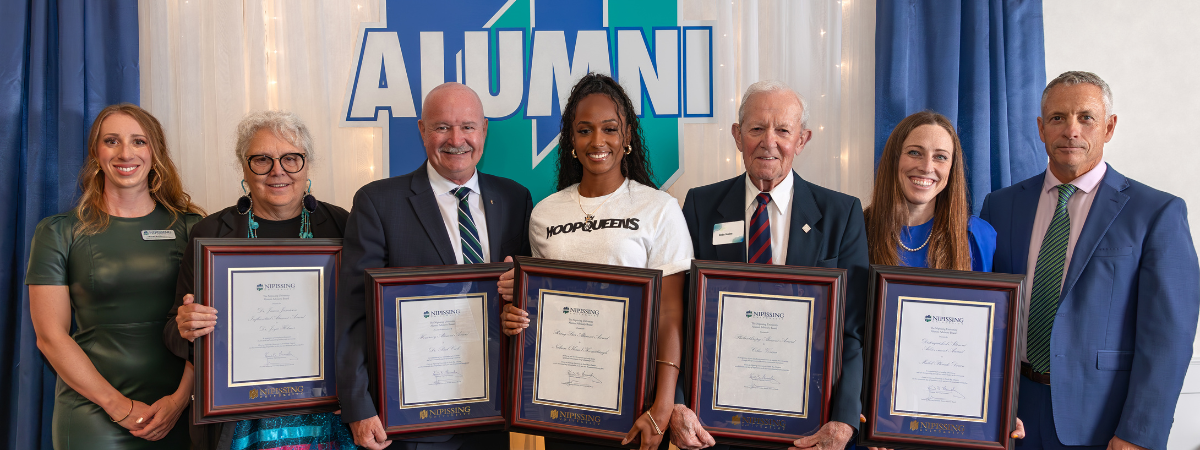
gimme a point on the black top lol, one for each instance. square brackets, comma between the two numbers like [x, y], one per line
[328, 221]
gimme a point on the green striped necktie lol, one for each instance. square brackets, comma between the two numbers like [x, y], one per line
[472, 250]
[1047, 282]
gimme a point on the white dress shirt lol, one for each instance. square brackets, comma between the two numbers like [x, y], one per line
[448, 205]
[1077, 209]
[779, 212]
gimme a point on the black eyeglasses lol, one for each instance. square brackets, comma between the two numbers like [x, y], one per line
[263, 164]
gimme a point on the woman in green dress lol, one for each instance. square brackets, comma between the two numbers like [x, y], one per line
[112, 262]
[275, 151]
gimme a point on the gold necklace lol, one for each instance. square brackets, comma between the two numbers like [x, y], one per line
[587, 217]
[922, 245]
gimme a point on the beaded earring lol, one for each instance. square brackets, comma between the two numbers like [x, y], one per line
[245, 207]
[308, 206]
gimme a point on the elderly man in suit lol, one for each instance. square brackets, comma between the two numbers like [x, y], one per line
[445, 212]
[783, 219]
[1114, 295]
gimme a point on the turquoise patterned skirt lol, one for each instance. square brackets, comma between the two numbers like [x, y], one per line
[323, 431]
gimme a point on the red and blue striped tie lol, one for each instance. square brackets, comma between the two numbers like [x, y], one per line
[760, 232]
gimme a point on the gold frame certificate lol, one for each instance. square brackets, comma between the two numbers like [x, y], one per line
[943, 357]
[446, 360]
[270, 352]
[275, 325]
[580, 357]
[582, 370]
[940, 359]
[763, 356]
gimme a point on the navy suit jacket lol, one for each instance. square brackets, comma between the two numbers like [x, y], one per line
[395, 222]
[836, 239]
[1122, 338]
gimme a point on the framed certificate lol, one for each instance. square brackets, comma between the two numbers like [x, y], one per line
[437, 356]
[941, 359]
[271, 351]
[766, 349]
[583, 370]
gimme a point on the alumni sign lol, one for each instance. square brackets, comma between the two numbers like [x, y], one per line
[523, 57]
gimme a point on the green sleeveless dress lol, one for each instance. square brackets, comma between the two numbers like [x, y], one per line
[121, 287]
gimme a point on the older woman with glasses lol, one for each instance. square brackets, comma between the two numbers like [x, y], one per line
[275, 151]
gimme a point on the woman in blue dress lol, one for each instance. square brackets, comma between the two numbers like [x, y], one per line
[920, 215]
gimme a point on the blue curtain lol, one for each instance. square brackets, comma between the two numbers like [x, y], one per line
[980, 63]
[61, 62]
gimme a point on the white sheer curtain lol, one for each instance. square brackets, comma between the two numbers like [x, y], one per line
[823, 49]
[206, 63]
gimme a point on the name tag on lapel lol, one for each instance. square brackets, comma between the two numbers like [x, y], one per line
[729, 233]
[158, 235]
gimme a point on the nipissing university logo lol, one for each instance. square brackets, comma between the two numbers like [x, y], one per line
[522, 57]
[260, 286]
[927, 319]
[566, 310]
[426, 314]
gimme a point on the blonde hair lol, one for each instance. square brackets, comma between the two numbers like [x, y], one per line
[165, 186]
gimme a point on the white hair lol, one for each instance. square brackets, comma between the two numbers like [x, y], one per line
[772, 86]
[1074, 77]
[285, 125]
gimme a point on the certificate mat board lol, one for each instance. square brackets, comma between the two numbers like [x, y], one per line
[940, 358]
[584, 369]
[766, 350]
[270, 353]
[437, 352]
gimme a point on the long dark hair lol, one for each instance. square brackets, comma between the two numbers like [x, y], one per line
[635, 165]
[888, 212]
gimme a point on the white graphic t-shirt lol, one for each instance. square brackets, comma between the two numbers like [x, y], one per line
[639, 226]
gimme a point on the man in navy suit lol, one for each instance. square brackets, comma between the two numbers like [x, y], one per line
[414, 220]
[1113, 290]
[772, 216]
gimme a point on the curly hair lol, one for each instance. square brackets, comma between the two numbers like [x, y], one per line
[166, 187]
[635, 165]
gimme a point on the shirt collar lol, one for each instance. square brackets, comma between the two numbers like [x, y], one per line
[1086, 182]
[781, 195]
[442, 186]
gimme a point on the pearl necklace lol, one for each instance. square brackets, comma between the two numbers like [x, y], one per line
[922, 245]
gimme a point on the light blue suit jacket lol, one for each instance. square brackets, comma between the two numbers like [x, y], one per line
[1122, 338]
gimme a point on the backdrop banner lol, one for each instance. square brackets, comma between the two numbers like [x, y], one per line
[523, 57]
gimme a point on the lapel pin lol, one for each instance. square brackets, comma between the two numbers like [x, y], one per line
[806, 228]
[492, 202]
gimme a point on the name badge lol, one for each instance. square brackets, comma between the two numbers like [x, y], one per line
[729, 233]
[158, 235]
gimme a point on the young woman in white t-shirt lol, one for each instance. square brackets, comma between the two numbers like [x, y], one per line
[608, 210]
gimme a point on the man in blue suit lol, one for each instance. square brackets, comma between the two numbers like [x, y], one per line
[418, 220]
[1114, 294]
[770, 215]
